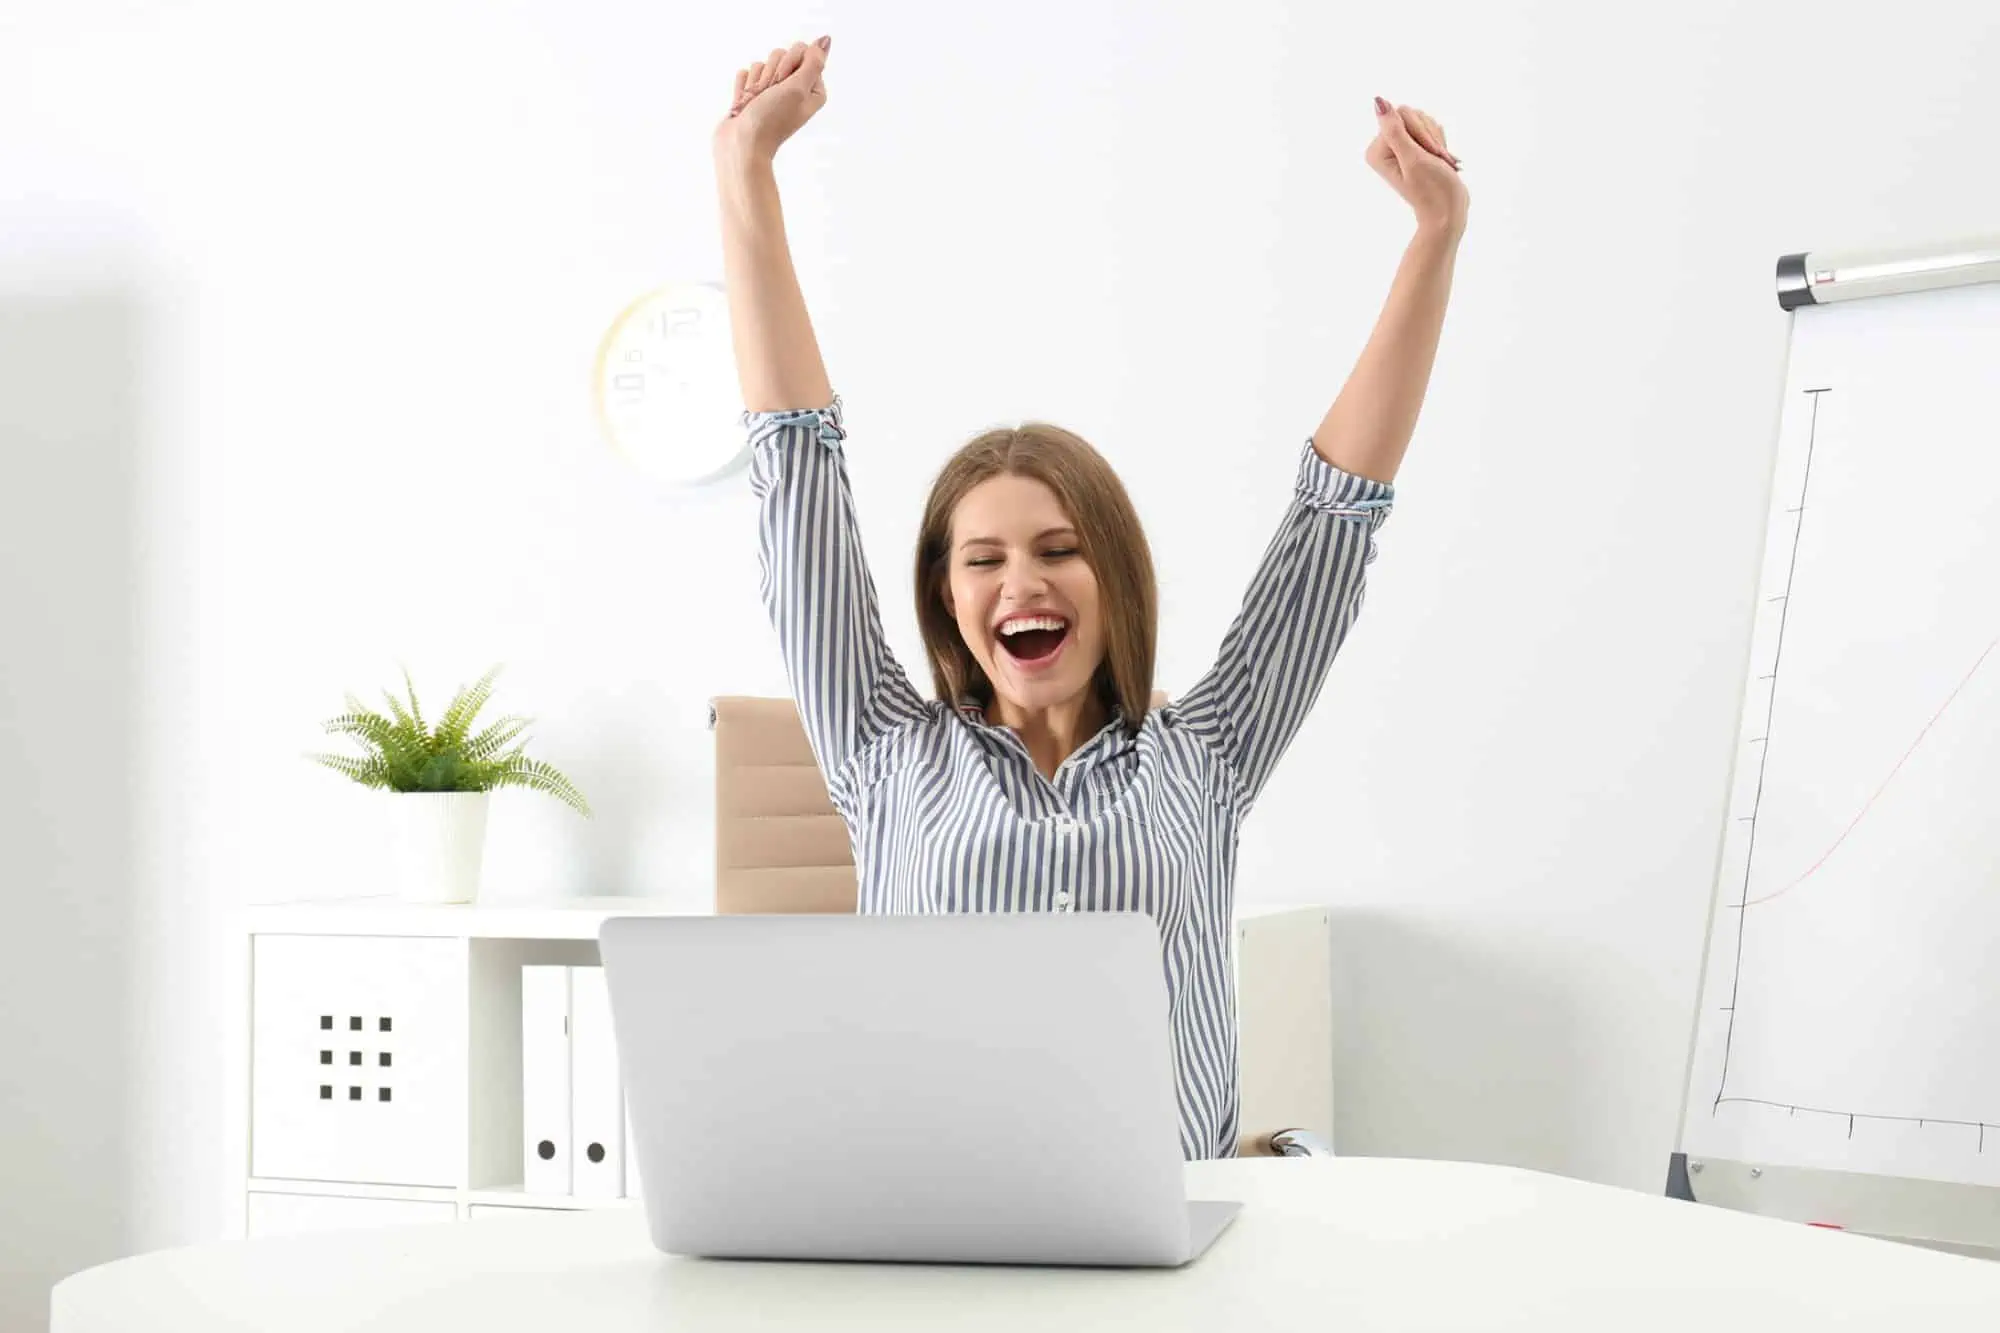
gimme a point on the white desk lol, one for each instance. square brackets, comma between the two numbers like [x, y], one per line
[1326, 1244]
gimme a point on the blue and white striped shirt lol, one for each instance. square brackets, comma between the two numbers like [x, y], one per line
[949, 814]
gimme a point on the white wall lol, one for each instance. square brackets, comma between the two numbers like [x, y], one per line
[371, 251]
[70, 423]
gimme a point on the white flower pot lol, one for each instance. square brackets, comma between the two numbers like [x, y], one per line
[439, 840]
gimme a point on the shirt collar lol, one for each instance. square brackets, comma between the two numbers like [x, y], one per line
[1115, 727]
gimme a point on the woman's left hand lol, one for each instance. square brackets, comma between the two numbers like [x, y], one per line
[1409, 152]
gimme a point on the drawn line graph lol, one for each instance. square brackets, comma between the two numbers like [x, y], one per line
[1870, 804]
[1781, 605]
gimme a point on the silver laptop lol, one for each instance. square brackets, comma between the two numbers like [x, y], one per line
[944, 1089]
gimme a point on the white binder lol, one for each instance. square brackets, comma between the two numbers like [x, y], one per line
[597, 1098]
[545, 1079]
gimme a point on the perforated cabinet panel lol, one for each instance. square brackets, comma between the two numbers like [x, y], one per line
[358, 1057]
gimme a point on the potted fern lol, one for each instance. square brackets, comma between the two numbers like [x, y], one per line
[443, 777]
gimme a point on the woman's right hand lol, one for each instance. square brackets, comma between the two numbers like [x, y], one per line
[773, 99]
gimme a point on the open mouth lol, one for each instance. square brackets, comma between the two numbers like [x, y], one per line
[1033, 638]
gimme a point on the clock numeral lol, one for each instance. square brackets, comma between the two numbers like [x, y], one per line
[628, 383]
[675, 323]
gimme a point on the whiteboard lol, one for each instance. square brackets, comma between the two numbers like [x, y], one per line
[1850, 1000]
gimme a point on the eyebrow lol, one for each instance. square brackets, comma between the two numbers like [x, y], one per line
[1043, 535]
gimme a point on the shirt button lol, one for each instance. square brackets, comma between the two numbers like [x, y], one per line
[1065, 825]
[1062, 900]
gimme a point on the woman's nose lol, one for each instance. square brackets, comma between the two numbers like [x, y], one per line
[1024, 579]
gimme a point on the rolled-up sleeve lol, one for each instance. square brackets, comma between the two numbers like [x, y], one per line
[817, 588]
[1301, 604]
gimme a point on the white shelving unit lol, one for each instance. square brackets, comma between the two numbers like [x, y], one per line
[376, 1074]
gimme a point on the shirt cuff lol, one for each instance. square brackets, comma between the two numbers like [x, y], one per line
[1333, 490]
[825, 421]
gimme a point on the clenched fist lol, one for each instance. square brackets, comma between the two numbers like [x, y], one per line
[773, 98]
[1409, 152]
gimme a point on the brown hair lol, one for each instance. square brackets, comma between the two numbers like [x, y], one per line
[1108, 534]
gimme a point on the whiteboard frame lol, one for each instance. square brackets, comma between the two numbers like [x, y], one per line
[1820, 277]
[1964, 1219]
[1960, 1218]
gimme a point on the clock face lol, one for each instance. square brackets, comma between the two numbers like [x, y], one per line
[665, 386]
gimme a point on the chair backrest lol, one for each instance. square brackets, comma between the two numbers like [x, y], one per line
[779, 846]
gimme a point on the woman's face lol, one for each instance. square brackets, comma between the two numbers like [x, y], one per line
[1024, 597]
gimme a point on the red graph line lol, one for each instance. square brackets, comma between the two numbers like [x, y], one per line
[1863, 813]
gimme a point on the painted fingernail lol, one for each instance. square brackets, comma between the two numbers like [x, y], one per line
[1381, 107]
[825, 43]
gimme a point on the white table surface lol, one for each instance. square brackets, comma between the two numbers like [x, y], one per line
[1333, 1245]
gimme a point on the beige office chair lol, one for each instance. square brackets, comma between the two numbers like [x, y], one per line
[780, 847]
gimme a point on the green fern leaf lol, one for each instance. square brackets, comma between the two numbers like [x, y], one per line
[416, 713]
[367, 772]
[488, 742]
[457, 723]
[358, 709]
[537, 776]
[404, 722]
[368, 726]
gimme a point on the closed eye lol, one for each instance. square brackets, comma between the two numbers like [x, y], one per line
[988, 561]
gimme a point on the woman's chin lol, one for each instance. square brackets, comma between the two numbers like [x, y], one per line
[1033, 699]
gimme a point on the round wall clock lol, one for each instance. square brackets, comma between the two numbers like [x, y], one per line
[665, 386]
